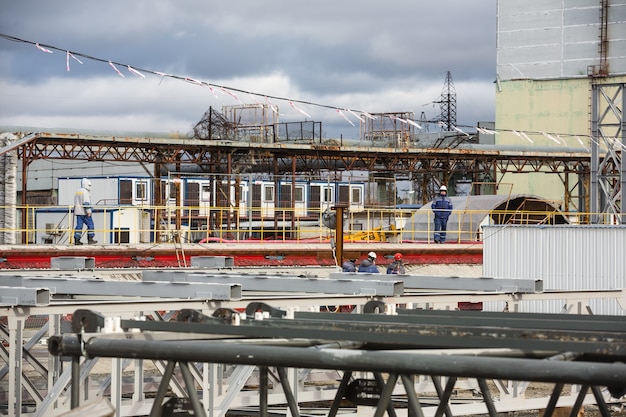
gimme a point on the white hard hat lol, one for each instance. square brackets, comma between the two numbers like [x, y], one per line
[443, 188]
[372, 255]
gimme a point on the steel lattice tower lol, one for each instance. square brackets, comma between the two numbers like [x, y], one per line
[608, 170]
[448, 103]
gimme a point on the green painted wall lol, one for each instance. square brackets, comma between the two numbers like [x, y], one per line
[558, 107]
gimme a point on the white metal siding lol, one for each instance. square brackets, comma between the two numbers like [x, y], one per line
[564, 257]
[104, 191]
[542, 39]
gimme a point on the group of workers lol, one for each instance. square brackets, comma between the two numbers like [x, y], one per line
[368, 265]
[442, 208]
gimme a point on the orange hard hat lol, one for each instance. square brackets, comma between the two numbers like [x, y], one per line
[397, 256]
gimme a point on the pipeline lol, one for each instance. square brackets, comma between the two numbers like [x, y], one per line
[398, 362]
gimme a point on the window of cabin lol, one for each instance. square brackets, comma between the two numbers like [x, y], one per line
[356, 196]
[141, 191]
[126, 191]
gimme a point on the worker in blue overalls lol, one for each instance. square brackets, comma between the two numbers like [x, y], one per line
[442, 208]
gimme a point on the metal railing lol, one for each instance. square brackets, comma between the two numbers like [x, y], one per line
[204, 224]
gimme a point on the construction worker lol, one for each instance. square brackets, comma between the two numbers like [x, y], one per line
[369, 264]
[82, 211]
[396, 267]
[349, 266]
[442, 208]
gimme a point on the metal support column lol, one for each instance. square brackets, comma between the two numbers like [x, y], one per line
[54, 362]
[138, 392]
[263, 391]
[622, 162]
[339, 234]
[116, 385]
[608, 135]
[16, 330]
[75, 396]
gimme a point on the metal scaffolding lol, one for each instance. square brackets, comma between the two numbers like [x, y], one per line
[608, 131]
[376, 344]
[263, 351]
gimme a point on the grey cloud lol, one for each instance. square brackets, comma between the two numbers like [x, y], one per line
[330, 51]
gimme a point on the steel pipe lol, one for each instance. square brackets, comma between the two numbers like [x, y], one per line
[584, 373]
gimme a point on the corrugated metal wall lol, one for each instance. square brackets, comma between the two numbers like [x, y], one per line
[564, 257]
[543, 39]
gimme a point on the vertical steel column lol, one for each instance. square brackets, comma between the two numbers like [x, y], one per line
[622, 161]
[294, 167]
[263, 391]
[26, 160]
[116, 385]
[594, 194]
[339, 209]
[158, 203]
[16, 330]
[208, 387]
[75, 393]
[608, 172]
[138, 394]
[277, 204]
[54, 362]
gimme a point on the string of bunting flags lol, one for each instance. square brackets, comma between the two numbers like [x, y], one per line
[72, 56]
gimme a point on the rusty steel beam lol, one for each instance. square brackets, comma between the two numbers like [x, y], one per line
[220, 156]
[216, 153]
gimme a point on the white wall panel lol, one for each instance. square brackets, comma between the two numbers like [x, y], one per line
[527, 32]
[564, 257]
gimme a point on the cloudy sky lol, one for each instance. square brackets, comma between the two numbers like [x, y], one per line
[365, 55]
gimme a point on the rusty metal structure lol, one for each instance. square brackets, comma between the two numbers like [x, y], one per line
[301, 156]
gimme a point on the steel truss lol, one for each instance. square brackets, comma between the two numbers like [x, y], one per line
[384, 345]
[230, 157]
[223, 387]
[608, 170]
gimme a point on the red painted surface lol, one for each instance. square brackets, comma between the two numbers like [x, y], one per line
[248, 255]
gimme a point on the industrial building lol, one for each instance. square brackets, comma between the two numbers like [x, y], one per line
[540, 208]
[560, 82]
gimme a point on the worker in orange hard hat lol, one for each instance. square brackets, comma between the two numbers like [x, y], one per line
[396, 267]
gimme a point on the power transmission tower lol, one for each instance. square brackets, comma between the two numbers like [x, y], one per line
[448, 103]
